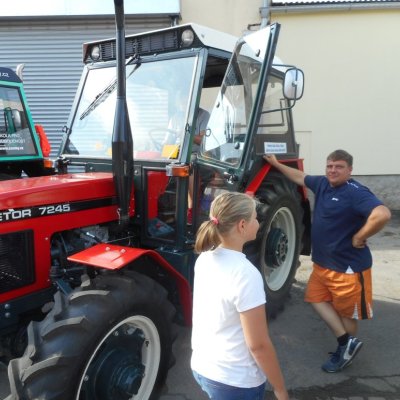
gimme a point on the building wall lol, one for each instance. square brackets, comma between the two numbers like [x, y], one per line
[351, 99]
[352, 85]
[230, 16]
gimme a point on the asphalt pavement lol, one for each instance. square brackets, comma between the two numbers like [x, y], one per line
[302, 341]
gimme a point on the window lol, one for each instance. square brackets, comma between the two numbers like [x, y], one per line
[16, 139]
[157, 95]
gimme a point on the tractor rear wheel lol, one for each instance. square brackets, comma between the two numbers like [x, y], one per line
[109, 339]
[277, 247]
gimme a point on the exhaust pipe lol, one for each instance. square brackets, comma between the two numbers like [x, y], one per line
[122, 144]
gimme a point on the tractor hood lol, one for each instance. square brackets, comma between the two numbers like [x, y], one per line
[56, 194]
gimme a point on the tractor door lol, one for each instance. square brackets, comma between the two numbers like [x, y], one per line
[225, 154]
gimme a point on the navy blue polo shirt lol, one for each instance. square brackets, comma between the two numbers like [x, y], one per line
[339, 213]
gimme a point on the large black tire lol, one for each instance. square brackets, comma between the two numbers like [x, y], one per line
[277, 247]
[110, 339]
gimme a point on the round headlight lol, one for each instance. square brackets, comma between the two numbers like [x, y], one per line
[95, 53]
[187, 38]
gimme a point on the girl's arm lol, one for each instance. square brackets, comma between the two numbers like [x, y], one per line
[255, 328]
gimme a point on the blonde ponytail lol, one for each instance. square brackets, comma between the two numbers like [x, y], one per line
[226, 210]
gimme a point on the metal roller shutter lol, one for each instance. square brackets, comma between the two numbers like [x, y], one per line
[52, 53]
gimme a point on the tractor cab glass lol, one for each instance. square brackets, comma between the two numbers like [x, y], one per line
[16, 137]
[230, 118]
[229, 124]
[158, 99]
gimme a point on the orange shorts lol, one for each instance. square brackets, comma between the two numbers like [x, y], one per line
[350, 294]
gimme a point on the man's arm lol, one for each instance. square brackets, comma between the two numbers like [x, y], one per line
[201, 125]
[378, 218]
[199, 137]
[293, 174]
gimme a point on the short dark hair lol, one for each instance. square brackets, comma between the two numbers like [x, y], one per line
[341, 155]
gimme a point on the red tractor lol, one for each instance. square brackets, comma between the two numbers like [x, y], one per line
[98, 258]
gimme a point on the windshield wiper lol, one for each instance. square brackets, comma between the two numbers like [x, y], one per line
[103, 95]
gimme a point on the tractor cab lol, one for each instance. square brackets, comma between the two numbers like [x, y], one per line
[23, 145]
[172, 76]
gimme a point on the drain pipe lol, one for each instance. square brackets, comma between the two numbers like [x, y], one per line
[287, 8]
[265, 12]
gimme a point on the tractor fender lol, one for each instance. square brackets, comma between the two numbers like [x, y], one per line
[256, 182]
[114, 257]
[262, 176]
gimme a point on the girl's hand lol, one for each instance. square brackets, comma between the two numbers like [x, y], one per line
[281, 394]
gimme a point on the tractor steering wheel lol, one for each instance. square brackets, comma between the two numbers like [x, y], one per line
[169, 137]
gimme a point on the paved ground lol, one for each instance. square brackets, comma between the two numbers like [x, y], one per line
[302, 341]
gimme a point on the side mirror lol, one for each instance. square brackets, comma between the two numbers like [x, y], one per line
[293, 86]
[17, 119]
[13, 120]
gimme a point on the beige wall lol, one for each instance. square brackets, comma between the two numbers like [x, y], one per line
[230, 16]
[351, 62]
[352, 92]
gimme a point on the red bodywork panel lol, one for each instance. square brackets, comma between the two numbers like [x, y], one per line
[50, 204]
[116, 257]
[156, 184]
[44, 141]
[53, 189]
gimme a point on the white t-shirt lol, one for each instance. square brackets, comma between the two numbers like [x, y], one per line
[225, 284]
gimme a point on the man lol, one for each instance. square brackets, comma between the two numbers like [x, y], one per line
[345, 215]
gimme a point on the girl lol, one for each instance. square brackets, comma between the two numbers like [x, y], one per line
[232, 350]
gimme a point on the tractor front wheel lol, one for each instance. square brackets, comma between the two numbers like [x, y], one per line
[110, 339]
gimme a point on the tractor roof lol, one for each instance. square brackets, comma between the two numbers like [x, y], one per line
[162, 40]
[8, 75]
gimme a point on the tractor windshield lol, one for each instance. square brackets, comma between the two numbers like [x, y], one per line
[158, 98]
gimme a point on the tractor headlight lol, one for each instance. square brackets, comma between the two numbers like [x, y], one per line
[95, 53]
[187, 38]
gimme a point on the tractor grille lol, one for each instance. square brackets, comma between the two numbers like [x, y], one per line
[155, 43]
[108, 51]
[16, 260]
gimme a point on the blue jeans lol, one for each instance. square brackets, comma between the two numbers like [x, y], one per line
[220, 391]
